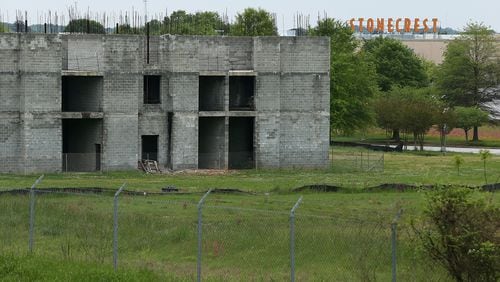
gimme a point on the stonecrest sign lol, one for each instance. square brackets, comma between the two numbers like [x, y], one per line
[414, 25]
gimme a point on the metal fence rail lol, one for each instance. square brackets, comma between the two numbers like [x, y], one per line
[362, 161]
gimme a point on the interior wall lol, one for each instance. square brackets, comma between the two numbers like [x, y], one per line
[241, 92]
[82, 93]
[211, 93]
[241, 142]
[149, 147]
[79, 139]
[211, 143]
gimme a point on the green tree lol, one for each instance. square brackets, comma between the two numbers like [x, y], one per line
[254, 22]
[351, 78]
[84, 26]
[127, 29]
[458, 162]
[155, 27]
[412, 110]
[201, 23]
[389, 109]
[445, 122]
[468, 118]
[395, 64]
[470, 69]
[422, 110]
[460, 232]
[3, 27]
[485, 155]
[179, 22]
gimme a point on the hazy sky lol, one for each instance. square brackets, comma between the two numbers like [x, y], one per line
[451, 13]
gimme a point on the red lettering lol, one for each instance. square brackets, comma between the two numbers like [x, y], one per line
[390, 27]
[361, 24]
[369, 25]
[380, 25]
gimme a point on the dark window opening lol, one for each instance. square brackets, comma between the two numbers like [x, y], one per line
[211, 93]
[82, 93]
[241, 93]
[211, 143]
[150, 147]
[152, 89]
[82, 139]
[241, 143]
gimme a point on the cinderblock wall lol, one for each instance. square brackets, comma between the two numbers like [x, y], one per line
[291, 96]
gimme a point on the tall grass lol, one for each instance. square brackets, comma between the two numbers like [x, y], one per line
[245, 237]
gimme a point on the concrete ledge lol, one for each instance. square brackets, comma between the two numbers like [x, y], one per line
[212, 113]
[213, 73]
[242, 73]
[81, 73]
[242, 114]
[82, 115]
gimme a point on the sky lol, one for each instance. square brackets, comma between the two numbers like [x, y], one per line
[451, 13]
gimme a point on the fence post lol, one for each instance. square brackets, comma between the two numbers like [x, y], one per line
[200, 206]
[115, 226]
[32, 212]
[394, 227]
[292, 239]
[383, 162]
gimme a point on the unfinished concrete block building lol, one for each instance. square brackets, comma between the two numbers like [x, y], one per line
[102, 102]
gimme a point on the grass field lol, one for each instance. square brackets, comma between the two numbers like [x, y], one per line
[339, 237]
[416, 168]
[489, 137]
[342, 236]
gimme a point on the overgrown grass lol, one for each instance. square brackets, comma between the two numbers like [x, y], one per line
[343, 236]
[408, 168]
[339, 237]
[489, 136]
[40, 268]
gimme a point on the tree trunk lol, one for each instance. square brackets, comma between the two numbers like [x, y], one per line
[415, 142]
[395, 135]
[466, 135]
[421, 141]
[475, 136]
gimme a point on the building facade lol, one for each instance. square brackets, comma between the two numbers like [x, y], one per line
[102, 102]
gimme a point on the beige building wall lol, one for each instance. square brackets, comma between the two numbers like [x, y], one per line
[431, 50]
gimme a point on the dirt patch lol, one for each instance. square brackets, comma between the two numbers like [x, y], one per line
[81, 190]
[229, 191]
[318, 188]
[394, 187]
[495, 187]
[202, 171]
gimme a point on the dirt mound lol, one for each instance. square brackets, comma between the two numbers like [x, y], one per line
[318, 188]
[495, 187]
[229, 191]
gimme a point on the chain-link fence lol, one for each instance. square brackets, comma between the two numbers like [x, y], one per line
[220, 237]
[357, 161]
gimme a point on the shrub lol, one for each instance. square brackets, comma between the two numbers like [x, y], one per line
[461, 232]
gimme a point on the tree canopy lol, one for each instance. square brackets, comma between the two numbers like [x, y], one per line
[468, 117]
[3, 28]
[254, 22]
[85, 26]
[395, 64]
[200, 23]
[470, 68]
[470, 73]
[352, 82]
[412, 110]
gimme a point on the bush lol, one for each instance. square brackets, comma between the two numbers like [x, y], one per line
[461, 232]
